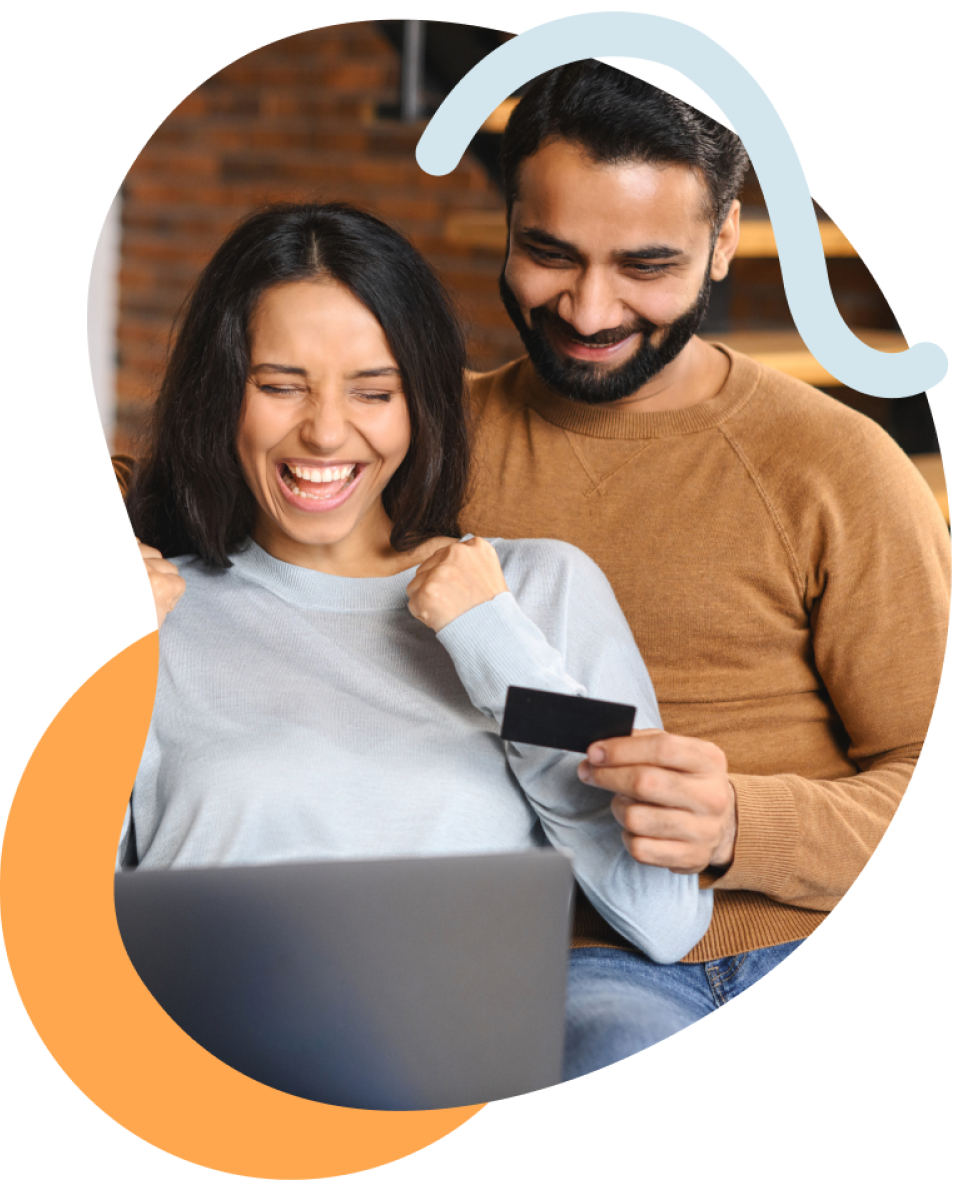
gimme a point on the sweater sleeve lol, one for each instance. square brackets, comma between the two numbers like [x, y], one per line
[591, 652]
[875, 557]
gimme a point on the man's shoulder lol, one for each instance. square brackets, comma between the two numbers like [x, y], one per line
[788, 422]
[501, 389]
[810, 454]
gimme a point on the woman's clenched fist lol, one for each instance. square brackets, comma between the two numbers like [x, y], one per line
[165, 580]
[454, 580]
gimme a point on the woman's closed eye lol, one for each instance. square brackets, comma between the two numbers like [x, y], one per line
[281, 391]
[363, 395]
[373, 395]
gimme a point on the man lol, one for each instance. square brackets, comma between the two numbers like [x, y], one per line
[784, 568]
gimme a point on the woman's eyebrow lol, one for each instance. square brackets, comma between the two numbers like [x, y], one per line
[296, 371]
[291, 369]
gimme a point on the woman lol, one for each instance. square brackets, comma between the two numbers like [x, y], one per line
[332, 680]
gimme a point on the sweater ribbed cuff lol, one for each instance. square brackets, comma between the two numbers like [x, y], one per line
[767, 839]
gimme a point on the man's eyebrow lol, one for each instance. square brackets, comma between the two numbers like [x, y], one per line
[543, 238]
[655, 253]
[650, 254]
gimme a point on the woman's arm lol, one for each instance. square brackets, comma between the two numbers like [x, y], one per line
[561, 631]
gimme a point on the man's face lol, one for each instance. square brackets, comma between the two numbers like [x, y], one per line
[608, 270]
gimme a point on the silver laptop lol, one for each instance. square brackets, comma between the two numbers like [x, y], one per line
[406, 984]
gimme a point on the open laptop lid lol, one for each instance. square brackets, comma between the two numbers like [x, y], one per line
[405, 984]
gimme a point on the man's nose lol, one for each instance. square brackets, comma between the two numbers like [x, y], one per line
[325, 424]
[590, 304]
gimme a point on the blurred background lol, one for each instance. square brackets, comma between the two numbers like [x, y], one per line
[335, 114]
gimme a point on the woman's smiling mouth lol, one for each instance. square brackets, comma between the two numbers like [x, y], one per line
[317, 487]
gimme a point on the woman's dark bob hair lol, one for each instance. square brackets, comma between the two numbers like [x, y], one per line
[189, 495]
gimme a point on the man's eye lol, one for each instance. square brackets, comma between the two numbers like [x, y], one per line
[648, 269]
[546, 255]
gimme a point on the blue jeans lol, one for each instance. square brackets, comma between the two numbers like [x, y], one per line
[619, 1002]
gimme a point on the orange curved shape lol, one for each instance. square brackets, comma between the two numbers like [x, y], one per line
[88, 1004]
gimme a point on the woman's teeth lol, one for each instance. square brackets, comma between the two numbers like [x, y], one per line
[335, 477]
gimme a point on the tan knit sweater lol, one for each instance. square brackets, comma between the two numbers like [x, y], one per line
[785, 570]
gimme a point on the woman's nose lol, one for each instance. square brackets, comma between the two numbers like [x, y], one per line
[325, 425]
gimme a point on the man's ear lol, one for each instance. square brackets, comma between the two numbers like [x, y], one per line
[726, 243]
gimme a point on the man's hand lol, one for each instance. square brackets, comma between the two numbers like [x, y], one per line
[165, 581]
[672, 796]
[454, 580]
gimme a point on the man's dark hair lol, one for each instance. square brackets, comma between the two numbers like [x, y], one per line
[618, 118]
[190, 495]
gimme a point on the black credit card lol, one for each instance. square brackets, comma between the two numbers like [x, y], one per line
[564, 722]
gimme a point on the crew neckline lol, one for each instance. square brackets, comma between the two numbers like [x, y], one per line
[314, 590]
[578, 418]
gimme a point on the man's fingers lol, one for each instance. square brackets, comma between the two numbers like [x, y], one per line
[661, 823]
[654, 747]
[676, 855]
[648, 784]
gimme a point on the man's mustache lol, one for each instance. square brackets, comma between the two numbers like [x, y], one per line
[541, 317]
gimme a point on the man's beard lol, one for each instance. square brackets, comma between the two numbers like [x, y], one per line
[591, 381]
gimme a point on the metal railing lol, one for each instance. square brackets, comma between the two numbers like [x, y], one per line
[413, 70]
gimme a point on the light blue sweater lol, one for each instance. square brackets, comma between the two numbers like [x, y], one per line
[302, 716]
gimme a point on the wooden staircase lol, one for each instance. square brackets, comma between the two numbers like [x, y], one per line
[313, 117]
[779, 347]
[759, 320]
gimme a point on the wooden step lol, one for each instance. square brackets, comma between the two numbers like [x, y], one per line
[785, 351]
[931, 469]
[488, 231]
[757, 240]
[497, 119]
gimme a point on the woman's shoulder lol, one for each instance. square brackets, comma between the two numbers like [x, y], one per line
[546, 560]
[192, 566]
[538, 548]
[203, 580]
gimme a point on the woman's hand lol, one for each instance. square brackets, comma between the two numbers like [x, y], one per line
[165, 581]
[454, 580]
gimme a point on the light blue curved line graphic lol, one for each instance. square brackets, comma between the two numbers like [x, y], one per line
[732, 87]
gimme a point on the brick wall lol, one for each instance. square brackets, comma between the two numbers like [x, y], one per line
[304, 118]
[296, 120]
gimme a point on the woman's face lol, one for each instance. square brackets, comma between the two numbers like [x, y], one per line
[324, 426]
